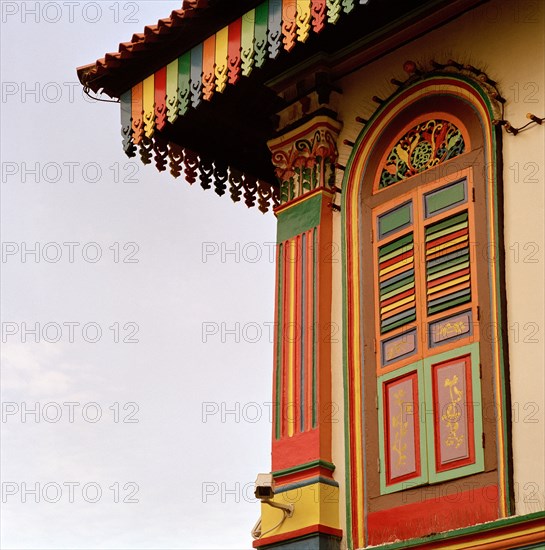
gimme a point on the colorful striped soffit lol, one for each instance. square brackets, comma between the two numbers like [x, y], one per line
[206, 69]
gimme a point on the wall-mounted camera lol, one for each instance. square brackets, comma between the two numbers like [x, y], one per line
[264, 491]
[264, 486]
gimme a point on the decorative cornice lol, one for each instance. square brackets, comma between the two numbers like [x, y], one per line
[307, 466]
[305, 482]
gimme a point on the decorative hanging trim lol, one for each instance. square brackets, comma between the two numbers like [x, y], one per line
[247, 42]
[195, 168]
[208, 67]
[196, 56]
[234, 32]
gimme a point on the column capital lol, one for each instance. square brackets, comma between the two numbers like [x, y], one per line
[304, 157]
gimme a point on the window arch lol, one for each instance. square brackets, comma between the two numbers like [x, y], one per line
[425, 375]
[430, 142]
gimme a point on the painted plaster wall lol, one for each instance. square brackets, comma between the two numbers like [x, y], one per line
[507, 40]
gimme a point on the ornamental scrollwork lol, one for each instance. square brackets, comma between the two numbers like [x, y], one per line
[426, 145]
[306, 164]
[400, 426]
[453, 413]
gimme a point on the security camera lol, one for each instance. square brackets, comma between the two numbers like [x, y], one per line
[264, 491]
[264, 486]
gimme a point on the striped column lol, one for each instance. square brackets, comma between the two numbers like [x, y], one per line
[303, 408]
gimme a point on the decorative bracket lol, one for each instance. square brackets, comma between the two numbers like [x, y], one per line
[305, 158]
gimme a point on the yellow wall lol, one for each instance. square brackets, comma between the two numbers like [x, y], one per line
[507, 40]
[312, 505]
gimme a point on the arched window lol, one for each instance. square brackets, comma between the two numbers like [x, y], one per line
[424, 363]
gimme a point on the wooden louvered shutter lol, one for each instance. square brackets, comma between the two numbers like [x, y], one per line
[427, 357]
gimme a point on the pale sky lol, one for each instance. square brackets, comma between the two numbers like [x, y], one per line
[152, 435]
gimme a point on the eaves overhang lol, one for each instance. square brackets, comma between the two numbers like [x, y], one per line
[202, 87]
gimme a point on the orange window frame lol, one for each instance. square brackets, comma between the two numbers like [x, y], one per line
[418, 227]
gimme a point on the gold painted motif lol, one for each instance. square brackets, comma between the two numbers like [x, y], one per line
[400, 446]
[450, 329]
[453, 413]
[394, 350]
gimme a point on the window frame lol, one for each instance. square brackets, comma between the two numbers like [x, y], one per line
[469, 100]
[427, 353]
[375, 204]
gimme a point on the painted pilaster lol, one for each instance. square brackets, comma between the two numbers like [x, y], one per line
[304, 159]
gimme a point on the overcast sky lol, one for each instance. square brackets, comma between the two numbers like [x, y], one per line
[143, 348]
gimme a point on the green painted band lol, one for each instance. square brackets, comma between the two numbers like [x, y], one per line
[305, 483]
[404, 241]
[299, 218]
[262, 18]
[307, 466]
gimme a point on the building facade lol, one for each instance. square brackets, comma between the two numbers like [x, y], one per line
[401, 147]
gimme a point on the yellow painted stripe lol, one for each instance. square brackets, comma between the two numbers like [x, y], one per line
[452, 229]
[497, 337]
[290, 413]
[440, 274]
[172, 81]
[448, 284]
[397, 291]
[356, 356]
[397, 304]
[445, 245]
[222, 51]
[394, 253]
[395, 266]
[387, 317]
[303, 19]
[148, 100]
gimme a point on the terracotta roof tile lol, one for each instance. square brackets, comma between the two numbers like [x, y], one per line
[140, 42]
[147, 51]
